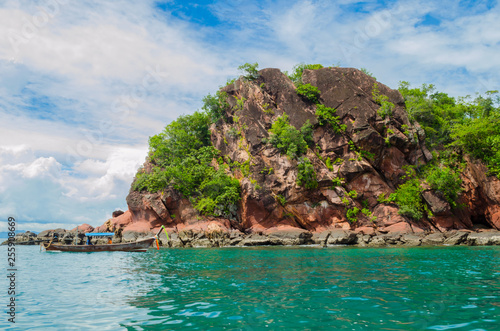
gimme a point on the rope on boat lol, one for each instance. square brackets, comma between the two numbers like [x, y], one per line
[42, 244]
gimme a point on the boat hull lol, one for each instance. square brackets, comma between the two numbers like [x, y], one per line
[138, 246]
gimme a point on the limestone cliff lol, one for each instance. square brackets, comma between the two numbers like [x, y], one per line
[369, 156]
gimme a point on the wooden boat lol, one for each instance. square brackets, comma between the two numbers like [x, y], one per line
[138, 246]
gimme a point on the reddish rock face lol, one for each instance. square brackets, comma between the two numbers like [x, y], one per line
[401, 227]
[437, 203]
[374, 166]
[368, 230]
[84, 228]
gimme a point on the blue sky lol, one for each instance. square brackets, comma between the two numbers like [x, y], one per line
[83, 84]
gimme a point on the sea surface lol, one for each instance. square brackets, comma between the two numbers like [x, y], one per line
[265, 288]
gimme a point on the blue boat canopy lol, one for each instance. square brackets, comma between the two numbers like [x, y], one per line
[102, 234]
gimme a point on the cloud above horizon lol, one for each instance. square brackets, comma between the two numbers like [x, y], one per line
[84, 84]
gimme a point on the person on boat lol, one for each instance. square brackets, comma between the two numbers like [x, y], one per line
[110, 241]
[88, 241]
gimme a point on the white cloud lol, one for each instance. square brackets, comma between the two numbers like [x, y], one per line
[36, 189]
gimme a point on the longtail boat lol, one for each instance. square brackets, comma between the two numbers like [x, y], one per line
[137, 246]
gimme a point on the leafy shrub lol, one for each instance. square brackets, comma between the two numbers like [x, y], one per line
[338, 181]
[232, 132]
[386, 107]
[307, 131]
[345, 201]
[281, 199]
[219, 192]
[383, 199]
[240, 102]
[307, 175]
[369, 214]
[251, 71]
[408, 197]
[243, 167]
[353, 194]
[309, 92]
[267, 109]
[206, 206]
[327, 115]
[404, 127]
[352, 214]
[328, 164]
[368, 155]
[267, 171]
[298, 70]
[446, 181]
[286, 138]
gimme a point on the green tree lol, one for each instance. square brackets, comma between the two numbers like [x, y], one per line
[250, 70]
[182, 156]
[437, 113]
[481, 138]
[179, 138]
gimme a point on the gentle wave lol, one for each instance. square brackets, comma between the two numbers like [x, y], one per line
[306, 288]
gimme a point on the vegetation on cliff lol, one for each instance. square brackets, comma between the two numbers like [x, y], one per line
[453, 127]
[183, 156]
[466, 124]
[287, 139]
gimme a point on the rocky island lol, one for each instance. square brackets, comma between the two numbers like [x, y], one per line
[323, 156]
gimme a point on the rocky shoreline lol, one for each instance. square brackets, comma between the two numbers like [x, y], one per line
[289, 237]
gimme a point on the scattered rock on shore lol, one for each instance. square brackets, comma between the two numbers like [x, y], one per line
[288, 237]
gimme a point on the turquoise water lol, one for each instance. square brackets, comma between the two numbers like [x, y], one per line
[308, 288]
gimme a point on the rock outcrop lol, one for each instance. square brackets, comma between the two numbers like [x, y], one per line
[369, 157]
